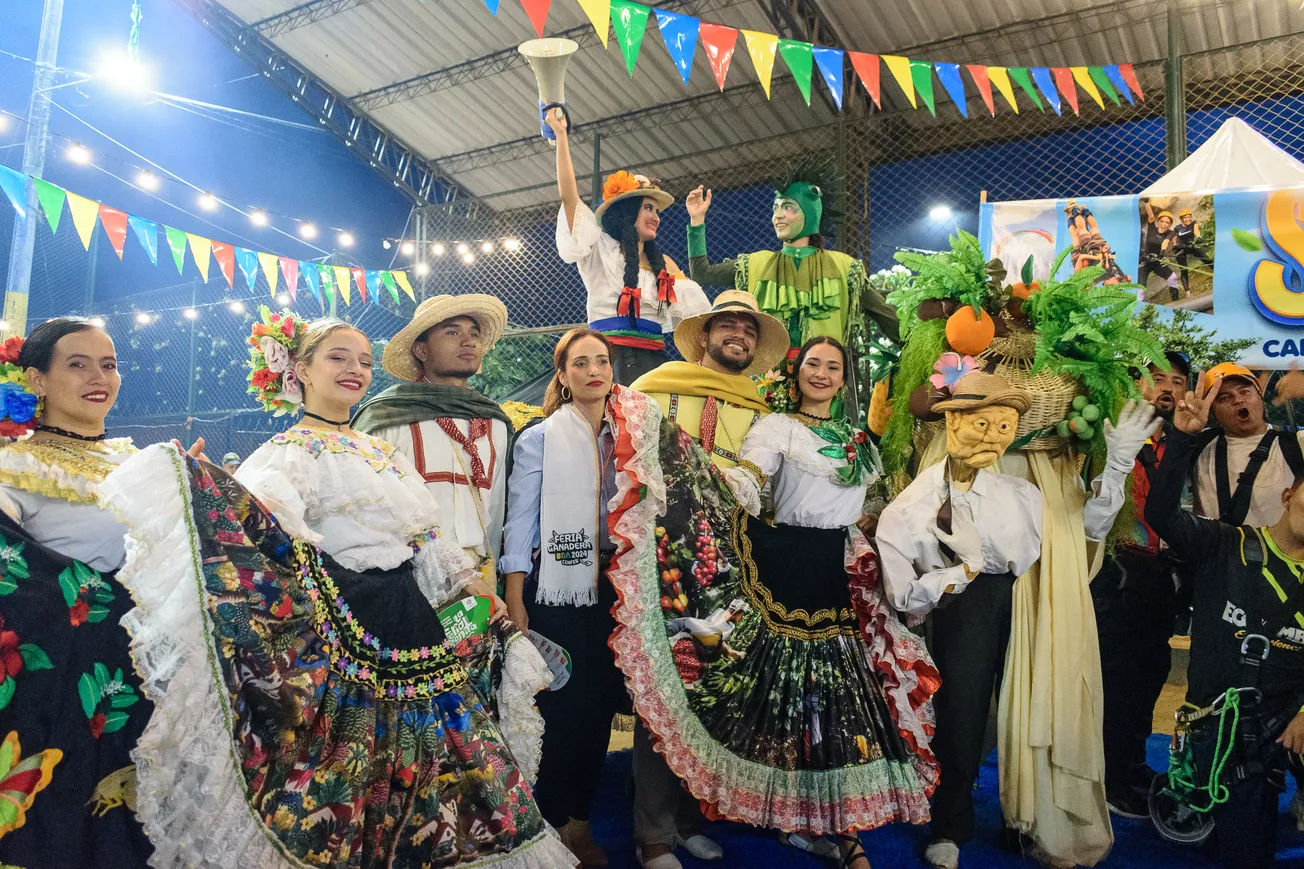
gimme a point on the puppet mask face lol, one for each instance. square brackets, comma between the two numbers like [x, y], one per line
[979, 437]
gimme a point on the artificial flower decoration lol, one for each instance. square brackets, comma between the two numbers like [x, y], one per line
[273, 346]
[620, 182]
[17, 404]
[10, 349]
[950, 367]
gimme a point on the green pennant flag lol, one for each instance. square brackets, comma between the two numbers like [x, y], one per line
[921, 74]
[177, 244]
[1020, 76]
[629, 20]
[51, 197]
[327, 280]
[800, 60]
[387, 278]
[1102, 81]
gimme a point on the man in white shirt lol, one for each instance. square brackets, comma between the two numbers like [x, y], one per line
[455, 436]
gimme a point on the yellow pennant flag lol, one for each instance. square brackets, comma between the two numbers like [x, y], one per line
[762, 47]
[343, 282]
[599, 12]
[403, 284]
[200, 248]
[900, 69]
[1083, 78]
[84, 214]
[1000, 77]
[271, 270]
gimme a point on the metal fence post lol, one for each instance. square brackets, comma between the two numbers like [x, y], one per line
[1175, 87]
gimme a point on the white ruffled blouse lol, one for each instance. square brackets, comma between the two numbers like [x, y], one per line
[803, 484]
[359, 500]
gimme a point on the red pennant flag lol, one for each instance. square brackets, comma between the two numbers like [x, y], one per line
[360, 281]
[225, 256]
[866, 66]
[290, 271]
[537, 10]
[719, 42]
[1064, 81]
[115, 227]
[980, 78]
[1129, 76]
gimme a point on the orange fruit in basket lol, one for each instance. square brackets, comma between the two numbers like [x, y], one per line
[968, 333]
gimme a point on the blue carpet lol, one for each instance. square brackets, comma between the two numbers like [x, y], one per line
[1136, 842]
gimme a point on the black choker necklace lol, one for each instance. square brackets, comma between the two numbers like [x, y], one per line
[813, 416]
[72, 434]
[334, 422]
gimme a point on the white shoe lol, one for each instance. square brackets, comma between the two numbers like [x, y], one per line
[701, 847]
[822, 847]
[942, 854]
[665, 861]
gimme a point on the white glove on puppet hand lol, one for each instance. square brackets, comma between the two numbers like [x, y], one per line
[966, 543]
[1136, 422]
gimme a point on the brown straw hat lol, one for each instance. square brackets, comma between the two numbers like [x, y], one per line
[771, 345]
[977, 390]
[488, 312]
[624, 185]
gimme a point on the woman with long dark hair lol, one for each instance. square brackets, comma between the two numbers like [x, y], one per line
[309, 705]
[636, 293]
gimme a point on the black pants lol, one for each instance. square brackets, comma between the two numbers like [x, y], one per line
[1183, 257]
[577, 718]
[1245, 827]
[1135, 601]
[1155, 265]
[970, 636]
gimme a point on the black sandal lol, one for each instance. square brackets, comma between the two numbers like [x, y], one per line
[854, 853]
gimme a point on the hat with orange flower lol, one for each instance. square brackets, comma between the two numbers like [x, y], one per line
[624, 185]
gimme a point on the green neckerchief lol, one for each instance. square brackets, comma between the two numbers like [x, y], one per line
[799, 253]
[407, 402]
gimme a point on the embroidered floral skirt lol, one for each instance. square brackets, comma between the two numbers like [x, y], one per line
[765, 661]
[70, 713]
[304, 712]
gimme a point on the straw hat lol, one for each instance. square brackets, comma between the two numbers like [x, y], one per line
[978, 390]
[771, 345]
[625, 185]
[489, 314]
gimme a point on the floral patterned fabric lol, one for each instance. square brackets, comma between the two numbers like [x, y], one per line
[773, 695]
[68, 695]
[359, 740]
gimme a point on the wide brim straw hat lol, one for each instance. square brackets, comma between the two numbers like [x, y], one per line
[979, 390]
[771, 345]
[627, 185]
[488, 312]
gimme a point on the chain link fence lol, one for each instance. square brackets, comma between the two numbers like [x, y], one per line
[896, 166]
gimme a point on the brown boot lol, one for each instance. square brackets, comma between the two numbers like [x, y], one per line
[578, 837]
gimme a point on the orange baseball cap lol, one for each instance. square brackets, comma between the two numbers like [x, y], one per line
[1229, 369]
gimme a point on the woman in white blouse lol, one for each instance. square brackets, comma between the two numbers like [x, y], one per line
[314, 672]
[636, 294]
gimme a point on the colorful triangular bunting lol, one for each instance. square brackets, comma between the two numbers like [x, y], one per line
[800, 62]
[1083, 78]
[1064, 82]
[829, 61]
[200, 248]
[1129, 76]
[1115, 75]
[342, 281]
[327, 275]
[312, 279]
[360, 281]
[537, 11]
[949, 75]
[51, 197]
[1041, 75]
[718, 42]
[387, 279]
[224, 254]
[402, 279]
[14, 185]
[762, 47]
[629, 20]
[290, 271]
[866, 67]
[900, 69]
[921, 75]
[599, 13]
[176, 244]
[248, 262]
[147, 234]
[84, 212]
[1102, 81]
[115, 227]
[680, 35]
[267, 261]
[983, 82]
[372, 279]
[1000, 76]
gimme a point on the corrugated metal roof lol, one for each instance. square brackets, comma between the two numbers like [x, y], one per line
[372, 44]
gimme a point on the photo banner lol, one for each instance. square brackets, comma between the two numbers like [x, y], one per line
[1170, 244]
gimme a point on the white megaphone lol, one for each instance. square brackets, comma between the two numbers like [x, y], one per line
[548, 58]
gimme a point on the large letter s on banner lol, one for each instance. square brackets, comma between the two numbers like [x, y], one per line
[1277, 285]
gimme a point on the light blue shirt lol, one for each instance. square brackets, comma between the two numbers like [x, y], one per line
[524, 488]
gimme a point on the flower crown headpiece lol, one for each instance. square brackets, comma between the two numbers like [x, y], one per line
[17, 402]
[273, 349]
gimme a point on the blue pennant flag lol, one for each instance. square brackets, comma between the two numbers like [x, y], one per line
[14, 184]
[1115, 76]
[313, 279]
[680, 33]
[373, 285]
[147, 234]
[949, 75]
[829, 61]
[493, 6]
[1045, 84]
[248, 262]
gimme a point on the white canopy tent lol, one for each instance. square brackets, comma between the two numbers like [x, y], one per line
[1237, 156]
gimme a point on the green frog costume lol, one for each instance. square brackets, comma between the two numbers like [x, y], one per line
[814, 291]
